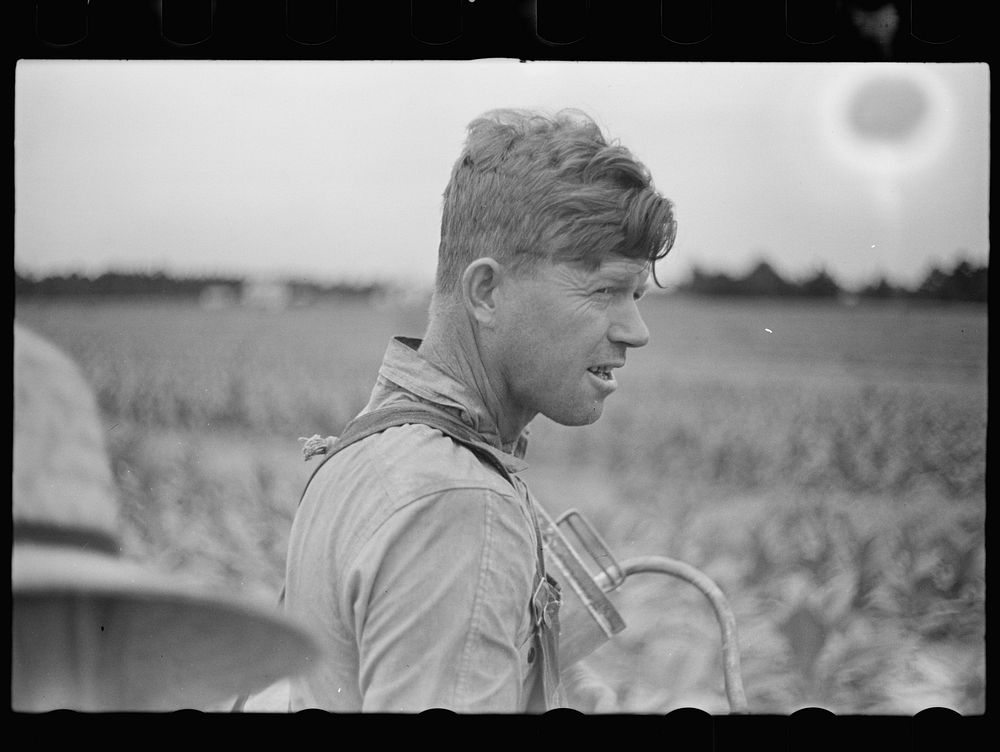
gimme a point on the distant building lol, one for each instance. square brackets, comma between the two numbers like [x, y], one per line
[400, 296]
[217, 297]
[269, 294]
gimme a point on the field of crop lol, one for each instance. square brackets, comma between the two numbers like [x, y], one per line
[824, 464]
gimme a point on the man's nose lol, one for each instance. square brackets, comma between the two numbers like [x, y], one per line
[629, 329]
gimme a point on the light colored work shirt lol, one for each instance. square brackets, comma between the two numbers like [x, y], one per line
[415, 562]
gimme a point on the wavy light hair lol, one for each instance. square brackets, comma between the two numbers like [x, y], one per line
[528, 187]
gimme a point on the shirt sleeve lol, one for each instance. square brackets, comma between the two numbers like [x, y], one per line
[439, 596]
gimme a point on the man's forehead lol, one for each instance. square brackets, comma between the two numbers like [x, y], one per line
[623, 267]
[611, 269]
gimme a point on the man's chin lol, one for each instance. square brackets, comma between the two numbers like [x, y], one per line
[584, 418]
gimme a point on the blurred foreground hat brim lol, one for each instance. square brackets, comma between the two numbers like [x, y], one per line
[92, 630]
[96, 633]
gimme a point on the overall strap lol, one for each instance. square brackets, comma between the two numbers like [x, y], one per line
[379, 420]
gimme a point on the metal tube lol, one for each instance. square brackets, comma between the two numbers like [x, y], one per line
[724, 614]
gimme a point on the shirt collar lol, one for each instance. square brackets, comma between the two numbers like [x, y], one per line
[404, 368]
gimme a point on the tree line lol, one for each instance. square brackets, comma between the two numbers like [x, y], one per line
[965, 282]
[162, 285]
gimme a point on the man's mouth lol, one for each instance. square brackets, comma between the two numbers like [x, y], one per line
[601, 372]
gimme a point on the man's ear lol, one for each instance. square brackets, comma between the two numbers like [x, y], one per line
[479, 285]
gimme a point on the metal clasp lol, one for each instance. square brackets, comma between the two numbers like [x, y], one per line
[611, 574]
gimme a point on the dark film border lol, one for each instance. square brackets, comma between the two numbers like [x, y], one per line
[588, 30]
[943, 31]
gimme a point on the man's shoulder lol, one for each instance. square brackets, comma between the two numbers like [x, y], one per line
[379, 482]
[415, 459]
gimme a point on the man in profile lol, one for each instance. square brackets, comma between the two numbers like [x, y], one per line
[415, 551]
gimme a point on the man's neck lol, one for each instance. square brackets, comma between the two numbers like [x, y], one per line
[452, 344]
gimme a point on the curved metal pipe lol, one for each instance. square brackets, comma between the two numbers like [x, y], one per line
[724, 614]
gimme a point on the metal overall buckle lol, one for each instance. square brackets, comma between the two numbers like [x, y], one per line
[546, 601]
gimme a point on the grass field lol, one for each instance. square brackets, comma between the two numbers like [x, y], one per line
[828, 473]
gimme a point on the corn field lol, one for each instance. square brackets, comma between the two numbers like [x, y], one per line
[824, 464]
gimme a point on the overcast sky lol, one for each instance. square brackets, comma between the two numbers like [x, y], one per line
[336, 169]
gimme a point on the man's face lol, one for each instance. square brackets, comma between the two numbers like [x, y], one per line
[562, 330]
